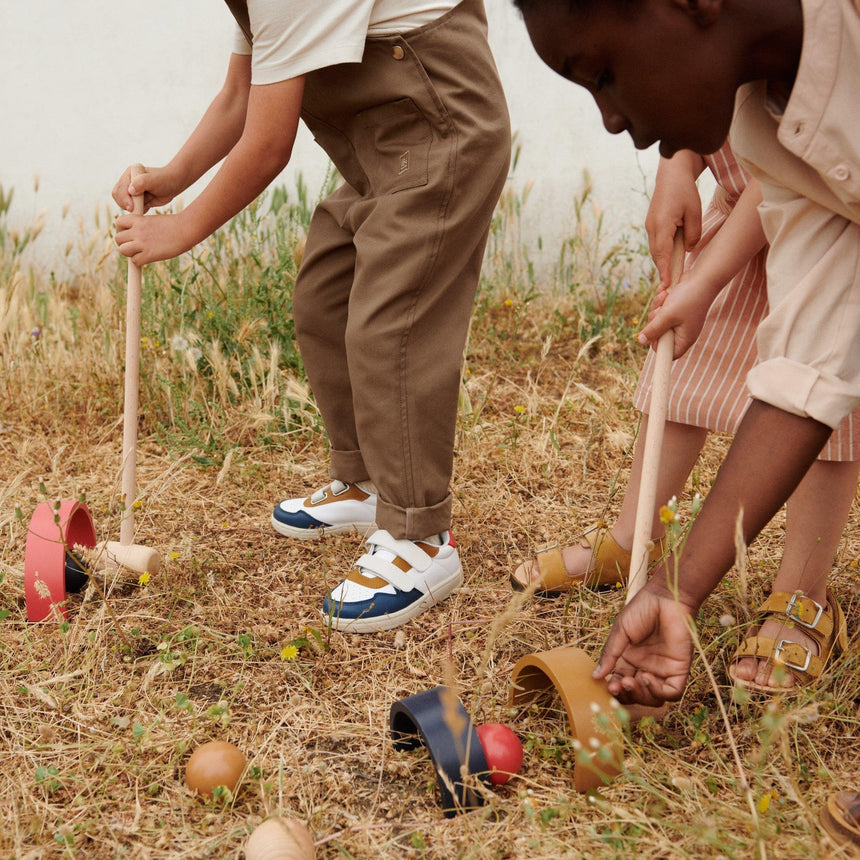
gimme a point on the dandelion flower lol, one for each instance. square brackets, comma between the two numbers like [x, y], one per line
[289, 652]
[144, 578]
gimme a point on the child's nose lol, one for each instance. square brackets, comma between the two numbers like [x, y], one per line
[613, 121]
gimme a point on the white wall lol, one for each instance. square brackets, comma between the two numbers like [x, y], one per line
[91, 86]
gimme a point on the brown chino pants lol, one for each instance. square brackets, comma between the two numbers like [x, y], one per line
[420, 132]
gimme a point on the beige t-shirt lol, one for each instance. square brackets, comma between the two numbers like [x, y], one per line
[806, 154]
[293, 37]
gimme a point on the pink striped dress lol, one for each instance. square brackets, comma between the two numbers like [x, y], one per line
[708, 383]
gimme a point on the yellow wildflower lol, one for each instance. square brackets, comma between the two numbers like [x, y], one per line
[289, 652]
[144, 578]
[764, 803]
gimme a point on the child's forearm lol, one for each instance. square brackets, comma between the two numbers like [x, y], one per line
[220, 128]
[768, 458]
[261, 153]
[683, 164]
[737, 241]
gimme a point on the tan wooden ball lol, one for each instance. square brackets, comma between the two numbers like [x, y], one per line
[280, 839]
[213, 764]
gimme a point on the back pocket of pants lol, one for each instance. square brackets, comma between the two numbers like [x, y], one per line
[393, 145]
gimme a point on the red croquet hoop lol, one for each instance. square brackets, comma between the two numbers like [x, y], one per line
[48, 538]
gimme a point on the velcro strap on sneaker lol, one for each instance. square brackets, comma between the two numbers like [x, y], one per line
[410, 552]
[390, 572]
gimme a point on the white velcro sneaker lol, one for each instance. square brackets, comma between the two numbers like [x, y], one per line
[394, 581]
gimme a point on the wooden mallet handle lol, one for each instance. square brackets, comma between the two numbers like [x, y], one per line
[132, 387]
[654, 439]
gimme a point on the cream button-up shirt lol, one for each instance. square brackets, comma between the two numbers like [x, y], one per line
[806, 153]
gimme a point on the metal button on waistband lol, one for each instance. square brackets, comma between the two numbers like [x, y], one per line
[841, 172]
[397, 52]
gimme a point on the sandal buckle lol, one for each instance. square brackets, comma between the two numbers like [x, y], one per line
[794, 602]
[782, 645]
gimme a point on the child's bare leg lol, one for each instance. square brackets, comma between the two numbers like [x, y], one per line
[815, 519]
[681, 446]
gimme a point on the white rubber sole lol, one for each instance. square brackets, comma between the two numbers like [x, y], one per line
[316, 534]
[381, 623]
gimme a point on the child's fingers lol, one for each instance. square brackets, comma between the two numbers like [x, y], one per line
[127, 188]
[661, 250]
[692, 225]
[615, 646]
[657, 325]
[120, 193]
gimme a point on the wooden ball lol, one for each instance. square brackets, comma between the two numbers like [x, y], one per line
[280, 839]
[213, 764]
[503, 751]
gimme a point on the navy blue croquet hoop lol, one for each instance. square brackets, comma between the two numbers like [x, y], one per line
[450, 739]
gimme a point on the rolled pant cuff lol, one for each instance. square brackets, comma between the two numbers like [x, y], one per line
[347, 466]
[803, 390]
[414, 523]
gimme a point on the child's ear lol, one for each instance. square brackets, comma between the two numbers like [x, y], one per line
[703, 12]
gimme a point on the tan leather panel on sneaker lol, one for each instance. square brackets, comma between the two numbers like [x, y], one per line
[352, 492]
[356, 576]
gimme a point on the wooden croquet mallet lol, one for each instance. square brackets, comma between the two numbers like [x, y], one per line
[644, 521]
[125, 552]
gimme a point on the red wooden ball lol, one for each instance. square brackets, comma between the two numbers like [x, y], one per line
[503, 751]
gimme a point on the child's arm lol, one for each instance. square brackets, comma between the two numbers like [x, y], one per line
[674, 203]
[215, 135]
[254, 126]
[685, 307]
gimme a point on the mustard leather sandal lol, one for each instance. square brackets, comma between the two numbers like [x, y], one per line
[611, 565]
[823, 624]
[841, 819]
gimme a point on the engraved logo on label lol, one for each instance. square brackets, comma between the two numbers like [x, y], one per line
[404, 163]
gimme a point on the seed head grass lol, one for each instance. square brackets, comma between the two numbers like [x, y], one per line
[100, 709]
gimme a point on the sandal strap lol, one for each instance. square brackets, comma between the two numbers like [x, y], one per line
[823, 624]
[817, 621]
[550, 565]
[848, 802]
[783, 652]
[611, 560]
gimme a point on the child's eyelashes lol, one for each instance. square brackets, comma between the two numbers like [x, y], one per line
[593, 83]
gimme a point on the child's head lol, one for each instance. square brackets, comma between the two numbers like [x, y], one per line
[662, 70]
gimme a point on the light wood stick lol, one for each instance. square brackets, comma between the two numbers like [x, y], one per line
[132, 387]
[644, 521]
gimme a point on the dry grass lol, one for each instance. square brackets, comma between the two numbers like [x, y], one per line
[98, 716]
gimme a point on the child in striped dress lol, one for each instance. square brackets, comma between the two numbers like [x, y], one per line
[708, 393]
